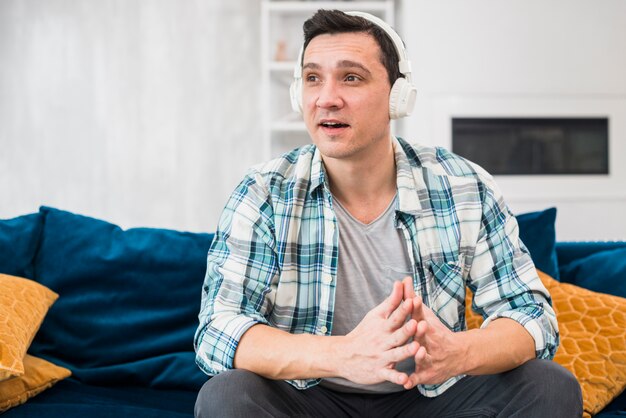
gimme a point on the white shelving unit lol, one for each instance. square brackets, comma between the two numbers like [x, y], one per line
[281, 38]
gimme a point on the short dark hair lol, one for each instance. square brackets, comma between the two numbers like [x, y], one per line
[336, 21]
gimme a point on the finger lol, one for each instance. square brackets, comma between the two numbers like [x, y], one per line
[407, 286]
[402, 335]
[420, 330]
[402, 352]
[409, 385]
[421, 356]
[399, 316]
[422, 360]
[418, 309]
[394, 376]
[413, 380]
[393, 300]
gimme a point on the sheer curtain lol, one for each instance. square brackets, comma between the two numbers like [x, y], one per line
[144, 113]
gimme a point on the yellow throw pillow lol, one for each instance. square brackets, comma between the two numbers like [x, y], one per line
[38, 376]
[592, 327]
[23, 305]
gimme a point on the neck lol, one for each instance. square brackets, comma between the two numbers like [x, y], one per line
[364, 186]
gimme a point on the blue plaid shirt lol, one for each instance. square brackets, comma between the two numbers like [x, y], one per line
[274, 257]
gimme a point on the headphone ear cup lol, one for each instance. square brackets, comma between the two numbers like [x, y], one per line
[401, 98]
[295, 93]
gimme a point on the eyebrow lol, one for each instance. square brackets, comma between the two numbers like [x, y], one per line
[340, 64]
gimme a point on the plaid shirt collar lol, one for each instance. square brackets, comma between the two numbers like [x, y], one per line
[408, 177]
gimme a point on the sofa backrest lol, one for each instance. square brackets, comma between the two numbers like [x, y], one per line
[128, 299]
[595, 265]
[19, 240]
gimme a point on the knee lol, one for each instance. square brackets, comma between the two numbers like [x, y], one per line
[228, 394]
[552, 384]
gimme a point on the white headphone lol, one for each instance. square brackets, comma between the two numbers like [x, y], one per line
[403, 92]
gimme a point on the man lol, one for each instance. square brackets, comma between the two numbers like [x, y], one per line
[336, 282]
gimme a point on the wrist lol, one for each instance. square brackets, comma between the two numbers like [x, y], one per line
[502, 345]
[471, 357]
[327, 358]
[336, 359]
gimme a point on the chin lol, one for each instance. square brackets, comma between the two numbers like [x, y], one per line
[330, 149]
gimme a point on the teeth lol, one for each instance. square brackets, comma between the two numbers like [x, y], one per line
[333, 124]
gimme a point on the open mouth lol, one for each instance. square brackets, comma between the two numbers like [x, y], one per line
[333, 125]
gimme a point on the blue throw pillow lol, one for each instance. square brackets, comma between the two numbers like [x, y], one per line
[19, 239]
[603, 272]
[537, 232]
[128, 304]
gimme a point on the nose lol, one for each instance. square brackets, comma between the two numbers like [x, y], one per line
[329, 96]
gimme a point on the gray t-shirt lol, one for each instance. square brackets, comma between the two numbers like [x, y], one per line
[371, 258]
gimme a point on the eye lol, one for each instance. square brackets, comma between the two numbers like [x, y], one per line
[311, 78]
[352, 78]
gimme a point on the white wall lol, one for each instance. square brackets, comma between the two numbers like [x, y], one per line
[143, 113]
[527, 58]
[146, 113]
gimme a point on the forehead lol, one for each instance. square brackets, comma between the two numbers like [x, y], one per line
[340, 46]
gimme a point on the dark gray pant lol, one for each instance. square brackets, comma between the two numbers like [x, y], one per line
[539, 388]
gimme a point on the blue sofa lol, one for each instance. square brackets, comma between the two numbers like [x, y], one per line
[129, 299]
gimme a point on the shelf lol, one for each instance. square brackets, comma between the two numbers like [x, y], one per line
[281, 66]
[288, 123]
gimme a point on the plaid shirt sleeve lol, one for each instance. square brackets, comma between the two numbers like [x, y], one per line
[241, 270]
[503, 276]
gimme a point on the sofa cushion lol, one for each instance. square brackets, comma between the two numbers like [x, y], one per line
[69, 398]
[19, 238]
[592, 328]
[129, 301]
[568, 251]
[38, 376]
[603, 272]
[537, 231]
[23, 305]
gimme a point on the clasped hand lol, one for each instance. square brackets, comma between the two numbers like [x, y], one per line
[385, 337]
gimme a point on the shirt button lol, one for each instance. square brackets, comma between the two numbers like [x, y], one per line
[323, 329]
[328, 279]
